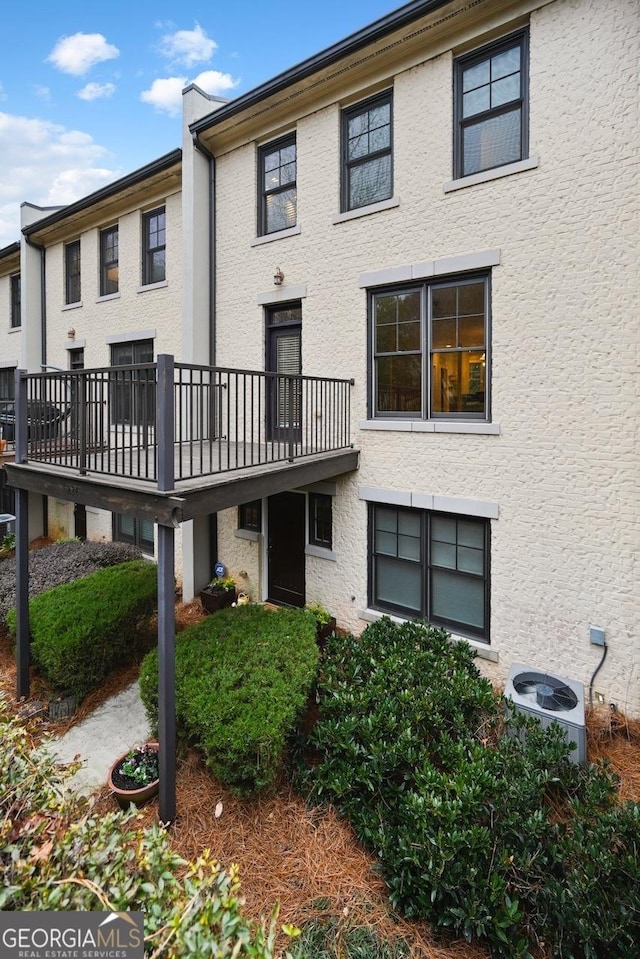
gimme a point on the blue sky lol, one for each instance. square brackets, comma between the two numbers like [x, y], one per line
[89, 92]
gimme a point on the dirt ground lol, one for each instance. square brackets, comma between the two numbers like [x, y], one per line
[307, 860]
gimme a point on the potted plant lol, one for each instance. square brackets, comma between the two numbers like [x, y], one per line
[135, 776]
[218, 594]
[325, 622]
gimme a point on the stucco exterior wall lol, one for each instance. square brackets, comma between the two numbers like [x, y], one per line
[564, 467]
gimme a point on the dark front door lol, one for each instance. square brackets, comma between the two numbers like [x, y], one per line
[286, 548]
[284, 356]
[80, 520]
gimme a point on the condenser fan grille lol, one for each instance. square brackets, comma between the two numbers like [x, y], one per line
[547, 691]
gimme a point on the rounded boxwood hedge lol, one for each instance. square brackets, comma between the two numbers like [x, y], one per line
[242, 677]
[80, 631]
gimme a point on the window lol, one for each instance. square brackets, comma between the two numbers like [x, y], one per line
[154, 241]
[127, 529]
[366, 152]
[133, 392]
[109, 271]
[16, 319]
[7, 382]
[491, 104]
[277, 191]
[72, 272]
[7, 495]
[250, 516]
[320, 520]
[433, 565]
[76, 359]
[429, 349]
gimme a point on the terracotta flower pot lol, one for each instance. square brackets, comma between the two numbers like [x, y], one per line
[138, 796]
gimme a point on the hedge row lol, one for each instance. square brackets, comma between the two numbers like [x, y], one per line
[480, 821]
[55, 854]
[82, 630]
[242, 677]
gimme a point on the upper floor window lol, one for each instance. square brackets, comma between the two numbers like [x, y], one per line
[430, 350]
[367, 174]
[491, 106]
[72, 272]
[109, 270]
[277, 191]
[154, 242]
[433, 565]
[16, 319]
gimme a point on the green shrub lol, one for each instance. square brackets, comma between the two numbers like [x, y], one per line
[82, 630]
[242, 677]
[55, 854]
[480, 821]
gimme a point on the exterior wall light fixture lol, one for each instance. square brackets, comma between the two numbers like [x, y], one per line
[278, 276]
[71, 334]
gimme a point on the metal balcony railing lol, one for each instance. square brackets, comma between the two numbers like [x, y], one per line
[168, 422]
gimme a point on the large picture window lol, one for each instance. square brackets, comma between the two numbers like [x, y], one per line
[109, 266]
[430, 350]
[72, 272]
[277, 190]
[154, 243]
[491, 106]
[367, 173]
[433, 565]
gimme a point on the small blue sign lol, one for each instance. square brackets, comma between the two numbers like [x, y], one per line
[220, 569]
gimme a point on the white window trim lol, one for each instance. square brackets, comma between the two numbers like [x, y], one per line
[250, 534]
[108, 296]
[485, 176]
[152, 286]
[71, 306]
[279, 294]
[434, 502]
[389, 204]
[114, 338]
[464, 263]
[320, 552]
[433, 426]
[277, 235]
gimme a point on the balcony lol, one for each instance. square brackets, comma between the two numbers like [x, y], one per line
[208, 437]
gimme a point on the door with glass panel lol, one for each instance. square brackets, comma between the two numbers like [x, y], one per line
[284, 357]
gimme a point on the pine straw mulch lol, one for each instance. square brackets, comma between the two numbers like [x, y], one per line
[308, 860]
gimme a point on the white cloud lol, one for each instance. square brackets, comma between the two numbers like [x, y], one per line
[166, 94]
[188, 47]
[46, 164]
[96, 91]
[78, 53]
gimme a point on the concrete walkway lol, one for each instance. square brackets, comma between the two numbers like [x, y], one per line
[111, 730]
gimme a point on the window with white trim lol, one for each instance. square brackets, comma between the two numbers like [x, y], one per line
[429, 350]
[431, 565]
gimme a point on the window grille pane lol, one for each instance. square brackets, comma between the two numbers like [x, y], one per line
[386, 338]
[409, 548]
[399, 584]
[409, 523]
[379, 139]
[444, 334]
[471, 534]
[503, 91]
[387, 519]
[475, 76]
[443, 554]
[470, 560]
[492, 142]
[457, 598]
[470, 331]
[443, 301]
[476, 101]
[470, 298]
[505, 63]
[443, 530]
[386, 543]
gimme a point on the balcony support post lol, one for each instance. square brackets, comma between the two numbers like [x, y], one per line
[165, 431]
[23, 653]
